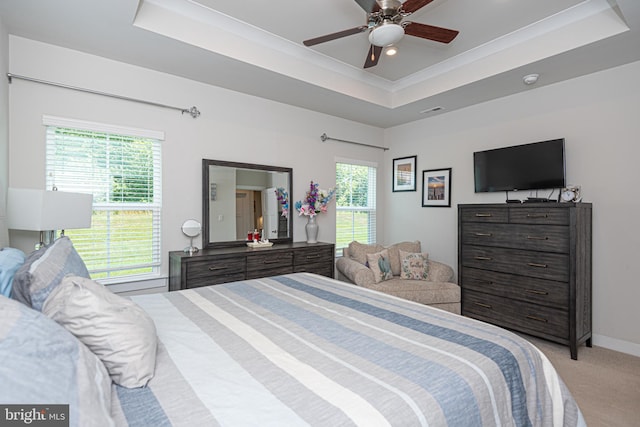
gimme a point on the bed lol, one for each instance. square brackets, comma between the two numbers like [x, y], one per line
[303, 349]
[290, 350]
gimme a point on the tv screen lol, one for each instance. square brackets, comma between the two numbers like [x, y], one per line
[535, 166]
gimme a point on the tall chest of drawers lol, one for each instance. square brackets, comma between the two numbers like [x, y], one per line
[527, 267]
[215, 266]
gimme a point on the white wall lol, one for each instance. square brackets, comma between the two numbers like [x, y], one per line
[4, 132]
[598, 116]
[232, 127]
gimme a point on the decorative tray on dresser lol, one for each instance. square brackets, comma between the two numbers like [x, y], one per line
[215, 266]
[527, 267]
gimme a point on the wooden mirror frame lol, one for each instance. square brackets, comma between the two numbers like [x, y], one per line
[206, 227]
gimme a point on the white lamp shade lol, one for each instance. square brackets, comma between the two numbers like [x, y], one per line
[386, 34]
[40, 210]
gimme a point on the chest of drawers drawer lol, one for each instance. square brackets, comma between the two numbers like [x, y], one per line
[484, 215]
[518, 315]
[542, 265]
[548, 238]
[538, 291]
[550, 216]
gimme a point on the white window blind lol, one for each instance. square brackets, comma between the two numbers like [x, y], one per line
[355, 204]
[123, 173]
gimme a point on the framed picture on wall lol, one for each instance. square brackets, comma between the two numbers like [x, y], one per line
[404, 173]
[436, 188]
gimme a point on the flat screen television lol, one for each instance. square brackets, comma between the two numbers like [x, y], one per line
[535, 166]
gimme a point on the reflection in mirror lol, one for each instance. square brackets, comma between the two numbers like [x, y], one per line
[239, 200]
[191, 228]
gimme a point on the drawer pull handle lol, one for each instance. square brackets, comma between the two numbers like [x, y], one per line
[483, 234]
[313, 256]
[217, 268]
[539, 319]
[534, 264]
[483, 305]
[483, 215]
[483, 258]
[537, 216]
[534, 291]
[273, 261]
[537, 238]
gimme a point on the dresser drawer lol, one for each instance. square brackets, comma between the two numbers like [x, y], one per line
[538, 291]
[479, 214]
[550, 216]
[270, 261]
[323, 269]
[313, 255]
[214, 271]
[271, 271]
[548, 238]
[518, 315]
[551, 266]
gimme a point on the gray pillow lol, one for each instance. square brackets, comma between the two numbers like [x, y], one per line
[44, 269]
[116, 329]
[43, 363]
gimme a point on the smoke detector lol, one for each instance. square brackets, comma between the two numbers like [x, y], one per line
[530, 79]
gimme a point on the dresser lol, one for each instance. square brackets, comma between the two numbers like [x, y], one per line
[215, 266]
[527, 267]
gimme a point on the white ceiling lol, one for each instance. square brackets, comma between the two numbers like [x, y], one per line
[256, 47]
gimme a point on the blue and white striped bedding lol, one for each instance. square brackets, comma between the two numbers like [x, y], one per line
[303, 349]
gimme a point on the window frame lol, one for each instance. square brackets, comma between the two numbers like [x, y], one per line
[371, 210]
[154, 207]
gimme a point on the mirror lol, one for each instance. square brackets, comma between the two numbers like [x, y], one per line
[239, 198]
[191, 228]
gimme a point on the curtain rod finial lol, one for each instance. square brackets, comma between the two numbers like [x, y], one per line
[324, 137]
[193, 112]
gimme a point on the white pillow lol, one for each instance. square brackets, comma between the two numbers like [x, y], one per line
[116, 329]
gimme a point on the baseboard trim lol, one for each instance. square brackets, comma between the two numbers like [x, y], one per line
[617, 345]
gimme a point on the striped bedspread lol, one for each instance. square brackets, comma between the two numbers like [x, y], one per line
[303, 349]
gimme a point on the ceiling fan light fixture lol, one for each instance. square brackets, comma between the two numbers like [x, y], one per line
[390, 50]
[386, 34]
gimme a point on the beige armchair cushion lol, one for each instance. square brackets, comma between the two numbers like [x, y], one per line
[358, 251]
[394, 254]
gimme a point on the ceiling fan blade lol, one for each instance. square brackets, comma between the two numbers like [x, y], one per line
[413, 5]
[438, 34]
[368, 5]
[334, 36]
[373, 56]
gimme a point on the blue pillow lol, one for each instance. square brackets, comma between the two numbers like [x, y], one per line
[42, 363]
[11, 260]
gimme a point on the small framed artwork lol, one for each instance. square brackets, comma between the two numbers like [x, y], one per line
[404, 173]
[436, 188]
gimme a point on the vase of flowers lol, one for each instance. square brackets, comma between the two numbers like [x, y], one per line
[314, 203]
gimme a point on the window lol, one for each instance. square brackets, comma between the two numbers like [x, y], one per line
[355, 204]
[121, 167]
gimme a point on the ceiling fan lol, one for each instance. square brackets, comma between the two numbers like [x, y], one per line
[386, 27]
